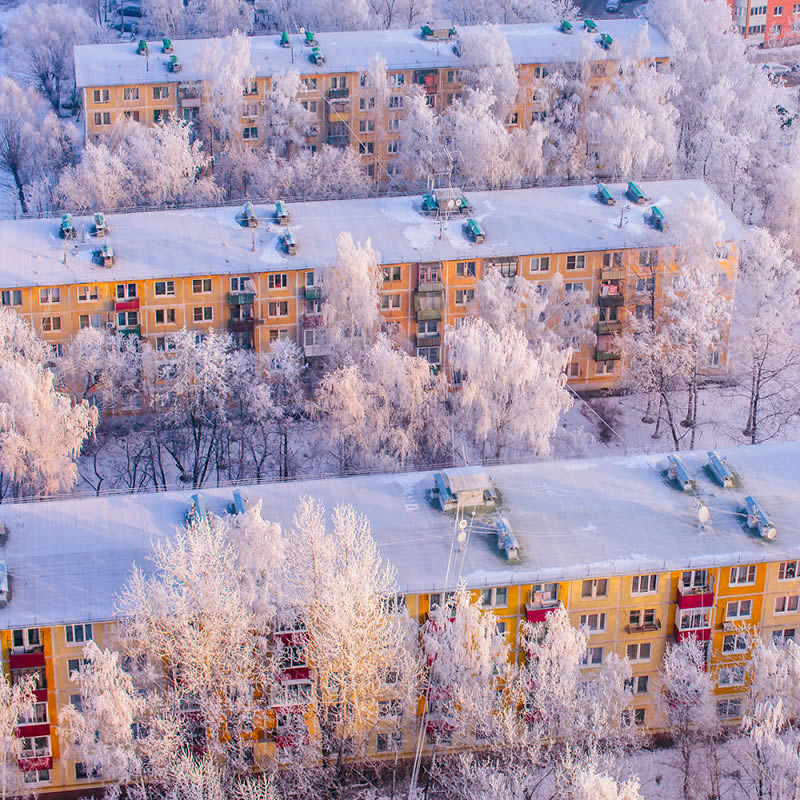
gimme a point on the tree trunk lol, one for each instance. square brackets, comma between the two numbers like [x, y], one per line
[14, 170]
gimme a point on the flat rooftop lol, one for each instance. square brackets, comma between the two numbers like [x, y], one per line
[351, 51]
[597, 517]
[211, 241]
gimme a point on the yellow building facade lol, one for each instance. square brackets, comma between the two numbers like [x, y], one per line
[121, 82]
[203, 269]
[641, 575]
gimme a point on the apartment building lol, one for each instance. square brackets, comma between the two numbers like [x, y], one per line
[767, 21]
[619, 542]
[145, 83]
[207, 268]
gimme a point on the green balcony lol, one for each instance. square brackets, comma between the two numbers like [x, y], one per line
[241, 298]
[314, 293]
[606, 355]
[608, 326]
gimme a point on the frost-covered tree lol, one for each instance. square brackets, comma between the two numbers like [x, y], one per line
[472, 12]
[33, 142]
[285, 117]
[421, 150]
[41, 38]
[100, 180]
[362, 646]
[41, 430]
[488, 65]
[16, 705]
[765, 335]
[351, 309]
[386, 410]
[687, 703]
[511, 394]
[592, 785]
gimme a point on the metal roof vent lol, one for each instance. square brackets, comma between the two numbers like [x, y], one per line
[506, 540]
[677, 472]
[462, 487]
[5, 585]
[758, 518]
[720, 469]
[197, 510]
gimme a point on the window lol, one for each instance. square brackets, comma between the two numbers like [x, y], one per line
[540, 72]
[165, 288]
[732, 676]
[576, 262]
[784, 635]
[278, 280]
[435, 600]
[397, 79]
[538, 116]
[165, 316]
[250, 132]
[103, 118]
[574, 287]
[390, 301]
[642, 617]
[201, 285]
[202, 313]
[127, 319]
[594, 622]
[695, 619]
[306, 83]
[430, 100]
[35, 746]
[734, 643]
[87, 293]
[126, 291]
[278, 309]
[101, 95]
[37, 716]
[787, 605]
[393, 124]
[392, 273]
[51, 324]
[160, 92]
[739, 609]
[82, 773]
[540, 264]
[36, 776]
[365, 103]
[639, 716]
[389, 708]
[366, 147]
[466, 269]
[695, 579]
[604, 368]
[366, 126]
[389, 742]
[395, 102]
[130, 93]
[250, 110]
[465, 296]
[644, 584]
[78, 634]
[638, 684]
[639, 652]
[787, 570]
[50, 295]
[574, 369]
[25, 638]
[278, 335]
[729, 707]
[597, 587]
[648, 258]
[451, 76]
[134, 115]
[495, 598]
[614, 259]
[431, 354]
[743, 575]
[11, 297]
[598, 69]
[592, 656]
[393, 148]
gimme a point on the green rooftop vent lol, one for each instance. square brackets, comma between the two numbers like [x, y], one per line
[281, 213]
[605, 41]
[310, 40]
[604, 195]
[635, 194]
[657, 218]
[67, 230]
[166, 45]
[141, 48]
[317, 56]
[174, 64]
[565, 26]
[590, 25]
[476, 233]
[284, 39]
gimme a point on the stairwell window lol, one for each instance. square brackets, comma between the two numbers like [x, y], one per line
[595, 587]
[466, 269]
[78, 634]
[465, 296]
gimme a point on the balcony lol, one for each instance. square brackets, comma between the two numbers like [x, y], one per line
[26, 729]
[313, 293]
[537, 612]
[612, 274]
[429, 339]
[35, 763]
[316, 350]
[312, 319]
[241, 298]
[338, 94]
[130, 330]
[607, 355]
[29, 660]
[428, 305]
[701, 634]
[430, 286]
[338, 139]
[189, 96]
[610, 300]
[132, 304]
[605, 327]
[696, 596]
[241, 325]
[645, 627]
[40, 695]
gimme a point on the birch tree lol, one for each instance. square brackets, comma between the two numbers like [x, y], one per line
[16, 704]
[100, 180]
[511, 394]
[489, 66]
[421, 149]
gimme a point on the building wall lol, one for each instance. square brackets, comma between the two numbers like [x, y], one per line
[613, 597]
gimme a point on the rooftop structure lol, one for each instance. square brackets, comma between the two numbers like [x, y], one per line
[213, 241]
[350, 51]
[571, 520]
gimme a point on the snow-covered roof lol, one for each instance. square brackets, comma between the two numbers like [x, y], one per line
[351, 51]
[461, 479]
[572, 519]
[211, 241]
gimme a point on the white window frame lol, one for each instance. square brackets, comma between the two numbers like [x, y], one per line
[206, 313]
[278, 280]
[594, 622]
[496, 597]
[743, 575]
[788, 566]
[88, 293]
[206, 285]
[732, 675]
[83, 630]
[593, 657]
[790, 603]
[169, 288]
[638, 649]
[733, 609]
[594, 585]
[739, 642]
[649, 581]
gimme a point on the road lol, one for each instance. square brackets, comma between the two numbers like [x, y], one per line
[596, 9]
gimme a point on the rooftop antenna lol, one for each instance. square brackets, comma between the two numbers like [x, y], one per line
[623, 216]
[461, 536]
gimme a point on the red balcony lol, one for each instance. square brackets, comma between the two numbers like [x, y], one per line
[41, 695]
[294, 674]
[34, 729]
[33, 764]
[127, 305]
[538, 613]
[695, 596]
[26, 660]
[701, 634]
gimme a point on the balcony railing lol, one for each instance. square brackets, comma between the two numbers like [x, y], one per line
[313, 293]
[430, 286]
[338, 94]
[241, 298]
[610, 300]
[612, 274]
[132, 304]
[338, 139]
[644, 627]
[33, 658]
[429, 339]
[608, 326]
[241, 325]
[607, 355]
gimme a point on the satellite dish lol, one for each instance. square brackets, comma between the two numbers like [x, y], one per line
[703, 515]
[461, 537]
[302, 30]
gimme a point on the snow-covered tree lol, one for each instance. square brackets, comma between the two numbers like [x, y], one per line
[41, 430]
[41, 38]
[351, 309]
[361, 643]
[766, 335]
[421, 150]
[100, 180]
[285, 117]
[32, 140]
[687, 703]
[472, 12]
[488, 65]
[511, 394]
[592, 785]
[16, 705]
[384, 411]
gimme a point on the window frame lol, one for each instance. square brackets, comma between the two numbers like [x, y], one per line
[86, 632]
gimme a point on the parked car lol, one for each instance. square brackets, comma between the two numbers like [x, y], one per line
[612, 6]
